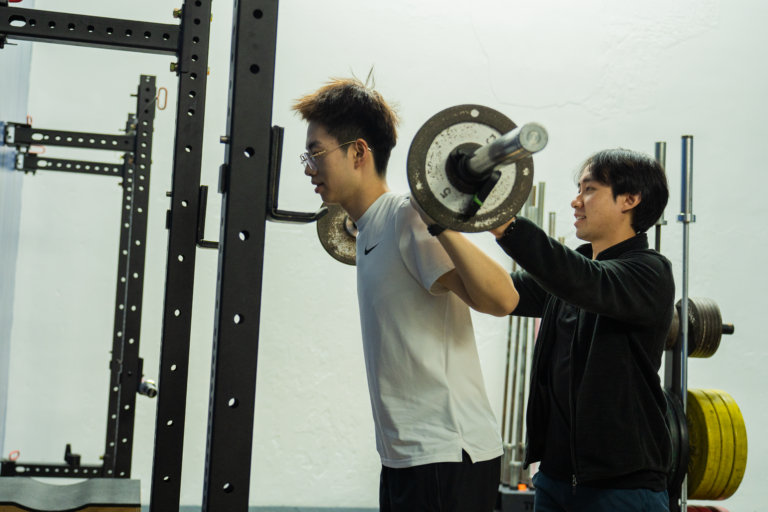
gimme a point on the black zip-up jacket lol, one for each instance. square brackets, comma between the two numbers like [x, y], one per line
[626, 300]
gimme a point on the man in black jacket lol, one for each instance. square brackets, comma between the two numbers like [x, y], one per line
[596, 409]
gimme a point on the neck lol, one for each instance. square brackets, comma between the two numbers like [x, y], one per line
[357, 205]
[623, 234]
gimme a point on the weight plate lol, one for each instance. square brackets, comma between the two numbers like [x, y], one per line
[468, 126]
[704, 439]
[674, 330]
[726, 444]
[705, 327]
[740, 445]
[335, 231]
[712, 326]
[674, 433]
[682, 427]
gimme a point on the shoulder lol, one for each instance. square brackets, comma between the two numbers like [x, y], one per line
[650, 259]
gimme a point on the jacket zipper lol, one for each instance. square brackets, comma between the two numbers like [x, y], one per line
[570, 405]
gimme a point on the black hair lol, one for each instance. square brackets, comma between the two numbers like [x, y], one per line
[349, 110]
[632, 172]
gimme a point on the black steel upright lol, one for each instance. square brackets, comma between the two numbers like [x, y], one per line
[241, 257]
[126, 366]
[180, 271]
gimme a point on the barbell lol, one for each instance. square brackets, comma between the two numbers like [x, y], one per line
[470, 168]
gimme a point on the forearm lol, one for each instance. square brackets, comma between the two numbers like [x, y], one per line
[487, 283]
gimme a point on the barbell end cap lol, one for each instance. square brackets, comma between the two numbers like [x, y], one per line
[533, 137]
[224, 139]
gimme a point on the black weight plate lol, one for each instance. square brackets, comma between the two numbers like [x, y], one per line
[674, 432]
[429, 182]
[682, 425]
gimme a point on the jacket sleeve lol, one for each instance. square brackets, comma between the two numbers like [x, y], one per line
[634, 288]
[533, 298]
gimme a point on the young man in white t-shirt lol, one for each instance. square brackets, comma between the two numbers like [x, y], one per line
[436, 434]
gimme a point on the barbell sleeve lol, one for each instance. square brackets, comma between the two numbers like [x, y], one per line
[511, 147]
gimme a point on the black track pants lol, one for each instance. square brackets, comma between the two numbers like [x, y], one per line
[441, 487]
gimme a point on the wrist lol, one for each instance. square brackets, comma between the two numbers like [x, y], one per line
[504, 229]
[435, 229]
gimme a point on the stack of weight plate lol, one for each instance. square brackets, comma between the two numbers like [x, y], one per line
[718, 445]
[705, 327]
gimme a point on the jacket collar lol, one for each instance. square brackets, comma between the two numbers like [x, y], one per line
[635, 243]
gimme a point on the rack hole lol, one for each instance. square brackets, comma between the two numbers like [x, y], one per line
[192, 76]
[188, 149]
[195, 39]
[233, 403]
[181, 258]
[244, 235]
[170, 423]
[249, 152]
[198, 3]
[173, 367]
[184, 204]
[166, 37]
[91, 28]
[258, 14]
[18, 21]
[228, 488]
[110, 30]
[166, 479]
[255, 69]
[147, 35]
[52, 24]
[71, 26]
[238, 319]
[32, 23]
[192, 94]
[194, 58]
[191, 112]
[197, 21]
[128, 33]
[177, 312]
[130, 341]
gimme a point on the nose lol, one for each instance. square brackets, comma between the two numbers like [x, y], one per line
[308, 171]
[577, 202]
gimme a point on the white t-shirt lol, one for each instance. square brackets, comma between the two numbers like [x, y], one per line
[424, 376]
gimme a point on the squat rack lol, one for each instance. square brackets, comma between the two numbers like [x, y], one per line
[125, 366]
[248, 181]
[189, 43]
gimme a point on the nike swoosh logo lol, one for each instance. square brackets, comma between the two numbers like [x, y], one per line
[372, 248]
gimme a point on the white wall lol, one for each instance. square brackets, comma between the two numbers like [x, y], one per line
[14, 90]
[597, 74]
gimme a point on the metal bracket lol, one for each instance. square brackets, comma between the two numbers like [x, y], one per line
[273, 213]
[202, 207]
[10, 133]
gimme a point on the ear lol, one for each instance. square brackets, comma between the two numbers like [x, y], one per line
[360, 153]
[630, 201]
